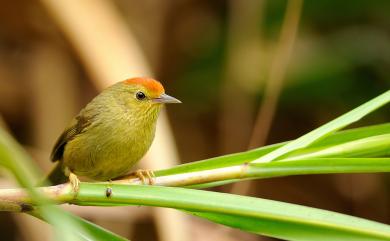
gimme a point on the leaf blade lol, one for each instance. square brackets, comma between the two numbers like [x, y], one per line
[222, 205]
[242, 157]
[330, 127]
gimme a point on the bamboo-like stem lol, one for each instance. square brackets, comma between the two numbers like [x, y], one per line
[192, 178]
[316, 160]
[18, 200]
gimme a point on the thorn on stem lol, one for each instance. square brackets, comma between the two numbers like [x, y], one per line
[24, 207]
[108, 192]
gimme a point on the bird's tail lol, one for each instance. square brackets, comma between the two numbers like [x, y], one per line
[55, 176]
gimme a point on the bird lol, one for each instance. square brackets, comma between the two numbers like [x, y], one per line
[110, 134]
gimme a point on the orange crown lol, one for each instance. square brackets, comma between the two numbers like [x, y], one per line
[150, 84]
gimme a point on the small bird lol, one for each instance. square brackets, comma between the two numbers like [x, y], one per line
[111, 134]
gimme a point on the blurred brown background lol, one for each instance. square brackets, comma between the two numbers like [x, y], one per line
[237, 66]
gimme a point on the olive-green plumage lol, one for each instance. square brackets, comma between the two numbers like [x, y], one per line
[112, 133]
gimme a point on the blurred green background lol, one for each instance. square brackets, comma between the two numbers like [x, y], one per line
[215, 56]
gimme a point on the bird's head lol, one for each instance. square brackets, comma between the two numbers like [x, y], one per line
[144, 94]
[149, 90]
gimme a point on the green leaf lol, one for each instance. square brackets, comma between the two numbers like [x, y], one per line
[218, 162]
[90, 231]
[337, 124]
[245, 157]
[291, 230]
[319, 166]
[353, 134]
[374, 146]
[271, 218]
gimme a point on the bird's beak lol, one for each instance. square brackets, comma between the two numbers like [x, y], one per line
[166, 99]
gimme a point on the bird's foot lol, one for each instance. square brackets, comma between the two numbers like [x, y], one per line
[74, 182]
[145, 174]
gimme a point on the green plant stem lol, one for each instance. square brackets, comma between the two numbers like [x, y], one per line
[316, 160]
[312, 161]
[11, 198]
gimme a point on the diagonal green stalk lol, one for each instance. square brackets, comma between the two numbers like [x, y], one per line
[91, 231]
[244, 157]
[330, 127]
[17, 161]
[67, 227]
[366, 147]
[318, 160]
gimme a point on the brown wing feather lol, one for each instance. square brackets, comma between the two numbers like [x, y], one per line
[78, 124]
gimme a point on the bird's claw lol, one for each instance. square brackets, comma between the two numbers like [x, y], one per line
[142, 173]
[74, 182]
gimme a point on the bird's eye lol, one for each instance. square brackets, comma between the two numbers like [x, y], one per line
[140, 95]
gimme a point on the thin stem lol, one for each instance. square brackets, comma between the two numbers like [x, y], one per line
[277, 73]
[274, 83]
[17, 200]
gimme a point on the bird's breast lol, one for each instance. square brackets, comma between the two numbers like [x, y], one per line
[109, 149]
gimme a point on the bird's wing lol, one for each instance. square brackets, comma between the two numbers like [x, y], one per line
[77, 126]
